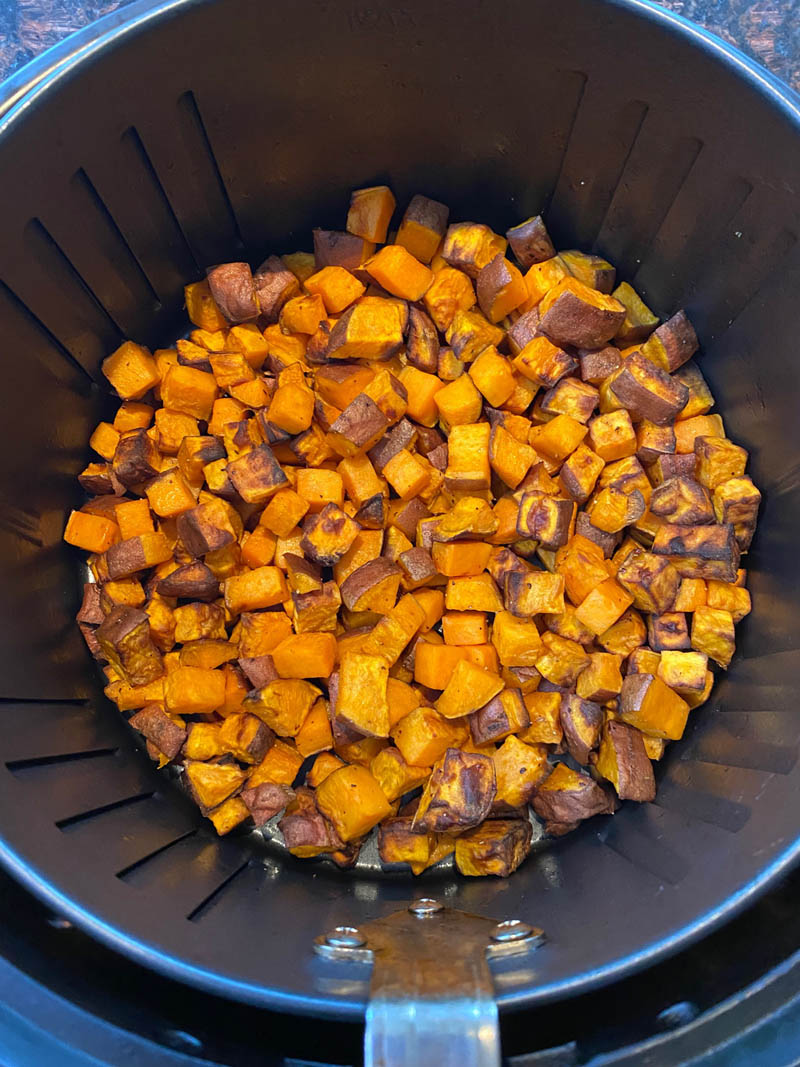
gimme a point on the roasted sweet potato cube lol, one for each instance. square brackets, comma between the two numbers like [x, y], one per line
[691, 595]
[517, 641]
[471, 246]
[423, 226]
[713, 634]
[371, 329]
[126, 642]
[497, 847]
[468, 457]
[558, 438]
[493, 376]
[279, 766]
[688, 430]
[423, 736]
[652, 707]
[728, 596]
[685, 672]
[504, 714]
[372, 587]
[234, 291]
[651, 580]
[353, 801]
[212, 783]
[672, 344]
[500, 288]
[612, 436]
[399, 273]
[560, 660]
[737, 501]
[568, 797]
[257, 475]
[246, 737]
[306, 831]
[604, 606]
[541, 278]
[391, 635]
[544, 712]
[194, 622]
[643, 661]
[400, 842]
[470, 517]
[131, 370]
[283, 704]
[370, 213]
[519, 769]
[202, 741]
[653, 441]
[260, 588]
[450, 291]
[328, 535]
[647, 391]
[315, 735]
[707, 551]
[581, 721]
[359, 427]
[394, 775]
[459, 793]
[334, 248]
[570, 397]
[717, 460]
[465, 628]
[469, 688]
[316, 611]
[201, 308]
[194, 690]
[509, 458]
[545, 519]
[166, 734]
[473, 593]
[579, 474]
[639, 320]
[530, 242]
[470, 333]
[136, 459]
[305, 655]
[602, 679]
[265, 801]
[361, 701]
[590, 269]
[625, 635]
[533, 592]
[668, 631]
[92, 533]
[337, 287]
[623, 760]
[574, 314]
[543, 362]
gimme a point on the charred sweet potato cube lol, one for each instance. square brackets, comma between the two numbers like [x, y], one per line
[370, 213]
[604, 606]
[534, 592]
[471, 246]
[699, 551]
[647, 391]
[370, 329]
[136, 459]
[713, 634]
[602, 679]
[400, 842]
[545, 519]
[652, 707]
[543, 362]
[685, 672]
[560, 660]
[530, 242]
[504, 714]
[305, 655]
[568, 797]
[579, 474]
[544, 712]
[497, 847]
[651, 580]
[389, 394]
[257, 475]
[423, 227]
[459, 793]
[317, 609]
[422, 342]
[653, 441]
[394, 775]
[623, 760]
[672, 344]
[166, 734]
[328, 535]
[573, 314]
[265, 801]
[306, 831]
[353, 801]
[469, 688]
[717, 460]
[283, 704]
[92, 533]
[208, 527]
[450, 291]
[212, 783]
[570, 397]
[581, 721]
[99, 479]
[195, 453]
[668, 631]
[125, 639]
[517, 641]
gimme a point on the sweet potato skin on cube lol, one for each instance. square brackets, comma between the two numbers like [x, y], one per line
[497, 847]
[459, 793]
[568, 797]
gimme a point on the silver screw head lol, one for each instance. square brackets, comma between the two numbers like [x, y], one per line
[511, 930]
[345, 937]
[425, 907]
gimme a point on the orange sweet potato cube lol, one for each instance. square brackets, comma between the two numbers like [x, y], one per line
[493, 376]
[283, 704]
[450, 291]
[559, 437]
[423, 736]
[652, 707]
[315, 734]
[399, 273]
[473, 593]
[422, 389]
[305, 655]
[459, 402]
[423, 227]
[353, 801]
[457, 559]
[606, 603]
[131, 370]
[318, 487]
[406, 474]
[560, 660]
[371, 212]
[169, 494]
[291, 408]
[280, 766]
[612, 435]
[361, 700]
[190, 391]
[468, 458]
[93, 533]
[337, 287]
[260, 588]
[193, 690]
[469, 688]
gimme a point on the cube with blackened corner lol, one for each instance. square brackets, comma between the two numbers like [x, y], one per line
[361, 700]
[544, 712]
[306, 831]
[470, 246]
[136, 459]
[353, 801]
[497, 847]
[713, 633]
[622, 759]
[389, 394]
[543, 362]
[504, 714]
[212, 783]
[651, 580]
[394, 775]
[625, 635]
[328, 535]
[399, 841]
[581, 721]
[717, 460]
[264, 801]
[257, 475]
[422, 341]
[459, 793]
[652, 707]
[685, 672]
[316, 611]
[246, 737]
[533, 592]
[653, 441]
[708, 551]
[567, 797]
[668, 632]
[154, 724]
[647, 391]
[209, 526]
[545, 519]
[126, 642]
[684, 502]
[602, 679]
[560, 660]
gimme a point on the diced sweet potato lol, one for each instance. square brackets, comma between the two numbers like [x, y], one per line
[497, 847]
[469, 688]
[353, 801]
[699, 551]
[652, 707]
[125, 639]
[672, 344]
[545, 518]
[560, 660]
[533, 592]
[648, 391]
[370, 212]
[213, 783]
[459, 793]
[283, 704]
[154, 724]
[574, 314]
[530, 242]
[717, 460]
[713, 634]
[423, 226]
[450, 291]
[305, 655]
[266, 800]
[581, 721]
[470, 246]
[623, 760]
[568, 797]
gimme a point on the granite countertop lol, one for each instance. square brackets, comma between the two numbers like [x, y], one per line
[767, 30]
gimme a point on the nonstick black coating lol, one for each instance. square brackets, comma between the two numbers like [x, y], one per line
[212, 131]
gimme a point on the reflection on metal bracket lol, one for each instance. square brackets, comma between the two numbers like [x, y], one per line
[431, 995]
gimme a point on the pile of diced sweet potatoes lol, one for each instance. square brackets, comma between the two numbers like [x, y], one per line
[415, 538]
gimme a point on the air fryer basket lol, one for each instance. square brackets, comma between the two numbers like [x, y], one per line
[201, 132]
